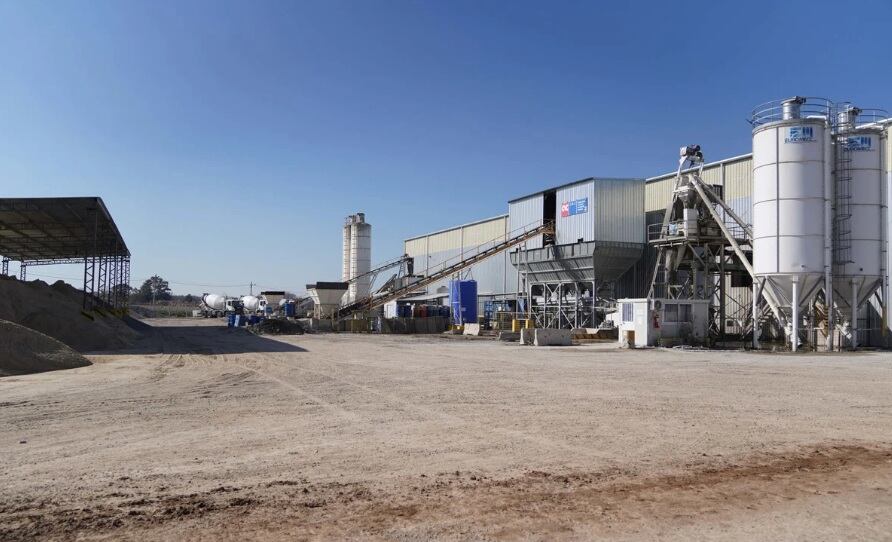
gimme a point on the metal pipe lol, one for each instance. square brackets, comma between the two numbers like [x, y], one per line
[755, 314]
[794, 335]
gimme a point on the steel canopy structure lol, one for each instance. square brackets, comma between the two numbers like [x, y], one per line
[78, 230]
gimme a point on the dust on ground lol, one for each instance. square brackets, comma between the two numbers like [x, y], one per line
[204, 432]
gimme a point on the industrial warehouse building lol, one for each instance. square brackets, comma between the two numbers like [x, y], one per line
[616, 211]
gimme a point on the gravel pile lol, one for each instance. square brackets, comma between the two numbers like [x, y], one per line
[56, 311]
[25, 351]
[278, 326]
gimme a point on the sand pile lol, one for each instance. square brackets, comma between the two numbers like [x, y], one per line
[56, 311]
[25, 351]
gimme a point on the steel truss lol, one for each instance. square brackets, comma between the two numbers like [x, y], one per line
[106, 276]
[700, 245]
[563, 304]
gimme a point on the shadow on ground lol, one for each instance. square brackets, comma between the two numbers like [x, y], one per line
[200, 339]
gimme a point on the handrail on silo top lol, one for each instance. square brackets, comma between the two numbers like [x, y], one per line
[805, 107]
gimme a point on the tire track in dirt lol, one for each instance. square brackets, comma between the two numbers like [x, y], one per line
[430, 413]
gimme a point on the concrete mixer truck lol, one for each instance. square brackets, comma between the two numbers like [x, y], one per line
[215, 306]
[253, 304]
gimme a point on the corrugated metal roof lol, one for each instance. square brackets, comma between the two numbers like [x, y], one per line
[38, 229]
[565, 185]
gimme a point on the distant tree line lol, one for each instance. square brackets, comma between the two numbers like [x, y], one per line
[157, 290]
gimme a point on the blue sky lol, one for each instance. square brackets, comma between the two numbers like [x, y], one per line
[229, 139]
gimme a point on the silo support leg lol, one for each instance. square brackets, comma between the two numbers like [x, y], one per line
[757, 292]
[794, 335]
[854, 314]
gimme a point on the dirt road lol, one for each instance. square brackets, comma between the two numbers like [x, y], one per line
[207, 433]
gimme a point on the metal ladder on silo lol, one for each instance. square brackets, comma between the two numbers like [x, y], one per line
[842, 228]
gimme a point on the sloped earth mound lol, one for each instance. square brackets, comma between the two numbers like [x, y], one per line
[25, 351]
[56, 311]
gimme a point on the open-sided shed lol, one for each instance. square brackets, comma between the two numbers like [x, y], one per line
[77, 230]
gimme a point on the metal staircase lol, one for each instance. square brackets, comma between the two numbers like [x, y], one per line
[373, 302]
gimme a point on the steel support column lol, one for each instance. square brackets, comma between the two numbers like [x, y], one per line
[125, 280]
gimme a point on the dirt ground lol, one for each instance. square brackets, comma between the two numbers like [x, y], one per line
[206, 433]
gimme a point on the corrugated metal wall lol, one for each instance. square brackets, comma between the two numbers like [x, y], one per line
[578, 227]
[619, 204]
[735, 174]
[526, 214]
[433, 252]
[615, 211]
[618, 211]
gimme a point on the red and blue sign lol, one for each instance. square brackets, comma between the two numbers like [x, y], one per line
[575, 207]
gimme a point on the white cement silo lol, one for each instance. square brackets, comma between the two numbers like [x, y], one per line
[887, 160]
[859, 213]
[360, 257]
[791, 165]
[345, 258]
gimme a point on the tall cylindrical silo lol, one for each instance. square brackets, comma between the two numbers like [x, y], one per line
[860, 211]
[790, 159]
[360, 257]
[345, 259]
[859, 202]
[887, 160]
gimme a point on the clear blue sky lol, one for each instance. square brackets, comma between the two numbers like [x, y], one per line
[229, 140]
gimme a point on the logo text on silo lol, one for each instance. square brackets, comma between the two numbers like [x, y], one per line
[800, 134]
[859, 143]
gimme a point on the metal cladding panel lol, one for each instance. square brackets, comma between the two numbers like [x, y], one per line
[416, 247]
[437, 259]
[526, 214]
[580, 226]
[613, 211]
[446, 240]
[591, 260]
[484, 233]
[738, 186]
[619, 207]
[658, 193]
[712, 174]
[490, 275]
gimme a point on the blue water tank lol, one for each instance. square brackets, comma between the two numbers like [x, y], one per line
[463, 300]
